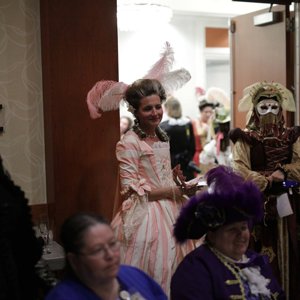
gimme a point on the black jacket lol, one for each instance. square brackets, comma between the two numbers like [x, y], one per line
[19, 248]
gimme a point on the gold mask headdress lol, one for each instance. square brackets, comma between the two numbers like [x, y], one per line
[256, 91]
[252, 93]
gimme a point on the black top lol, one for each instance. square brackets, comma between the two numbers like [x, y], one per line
[182, 143]
[19, 248]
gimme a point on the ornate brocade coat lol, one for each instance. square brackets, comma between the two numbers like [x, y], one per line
[255, 157]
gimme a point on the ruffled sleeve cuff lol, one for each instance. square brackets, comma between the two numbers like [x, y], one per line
[141, 187]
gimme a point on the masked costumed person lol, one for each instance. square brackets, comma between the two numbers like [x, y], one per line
[151, 199]
[269, 154]
[223, 267]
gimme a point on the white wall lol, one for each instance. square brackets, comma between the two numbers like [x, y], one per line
[186, 34]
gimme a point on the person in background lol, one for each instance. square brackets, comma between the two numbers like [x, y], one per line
[218, 97]
[268, 153]
[20, 250]
[203, 129]
[93, 265]
[222, 267]
[125, 124]
[182, 142]
[218, 150]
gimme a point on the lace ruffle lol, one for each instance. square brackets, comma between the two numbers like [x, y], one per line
[256, 281]
[141, 187]
[134, 210]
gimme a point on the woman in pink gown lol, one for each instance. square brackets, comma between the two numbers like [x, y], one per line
[151, 198]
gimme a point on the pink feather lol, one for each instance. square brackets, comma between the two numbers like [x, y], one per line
[105, 95]
[163, 65]
[112, 97]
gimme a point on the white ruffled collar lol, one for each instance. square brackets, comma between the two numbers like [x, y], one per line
[181, 121]
[256, 281]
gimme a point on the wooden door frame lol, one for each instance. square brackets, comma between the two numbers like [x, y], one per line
[79, 47]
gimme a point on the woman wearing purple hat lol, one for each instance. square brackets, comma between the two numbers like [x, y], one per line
[223, 267]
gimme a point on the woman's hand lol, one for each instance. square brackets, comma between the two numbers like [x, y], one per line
[188, 188]
[178, 175]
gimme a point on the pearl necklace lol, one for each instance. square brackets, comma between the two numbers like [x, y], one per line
[151, 136]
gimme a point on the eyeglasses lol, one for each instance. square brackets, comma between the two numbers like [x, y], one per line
[103, 250]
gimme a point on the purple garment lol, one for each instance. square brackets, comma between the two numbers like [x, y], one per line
[201, 275]
[130, 278]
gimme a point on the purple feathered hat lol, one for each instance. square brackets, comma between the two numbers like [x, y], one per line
[229, 198]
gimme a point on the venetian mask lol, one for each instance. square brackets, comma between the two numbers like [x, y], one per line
[267, 106]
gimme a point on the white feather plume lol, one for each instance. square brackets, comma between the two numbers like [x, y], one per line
[174, 80]
[217, 95]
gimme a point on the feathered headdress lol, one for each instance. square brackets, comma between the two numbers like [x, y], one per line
[106, 95]
[218, 97]
[228, 199]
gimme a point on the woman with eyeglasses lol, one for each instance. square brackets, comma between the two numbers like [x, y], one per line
[93, 269]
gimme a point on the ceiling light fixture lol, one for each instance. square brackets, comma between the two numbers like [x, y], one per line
[135, 15]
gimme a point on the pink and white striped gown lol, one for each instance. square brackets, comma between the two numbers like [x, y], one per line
[145, 227]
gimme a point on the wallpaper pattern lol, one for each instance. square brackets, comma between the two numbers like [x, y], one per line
[22, 142]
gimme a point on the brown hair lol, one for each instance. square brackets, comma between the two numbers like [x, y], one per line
[142, 88]
[73, 231]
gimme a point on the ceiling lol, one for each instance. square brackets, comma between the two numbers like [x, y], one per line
[216, 7]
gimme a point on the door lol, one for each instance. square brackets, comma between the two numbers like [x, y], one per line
[259, 53]
[79, 47]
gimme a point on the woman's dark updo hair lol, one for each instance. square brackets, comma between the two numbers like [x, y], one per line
[142, 88]
[204, 103]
